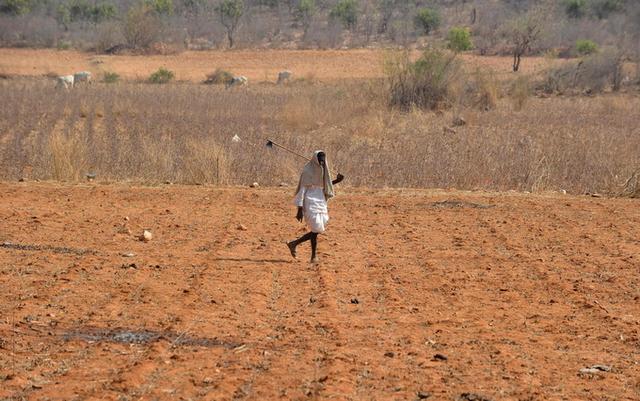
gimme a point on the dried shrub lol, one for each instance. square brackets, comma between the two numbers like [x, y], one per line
[110, 77]
[424, 84]
[67, 157]
[205, 162]
[219, 77]
[141, 27]
[593, 74]
[631, 187]
[483, 90]
[520, 92]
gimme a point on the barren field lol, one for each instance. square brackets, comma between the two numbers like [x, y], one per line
[257, 65]
[419, 294]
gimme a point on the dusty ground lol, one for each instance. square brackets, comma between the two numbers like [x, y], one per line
[518, 292]
[257, 65]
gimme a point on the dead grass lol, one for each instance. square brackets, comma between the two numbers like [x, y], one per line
[182, 133]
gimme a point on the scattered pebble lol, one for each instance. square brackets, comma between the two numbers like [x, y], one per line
[207, 380]
[440, 357]
[389, 354]
[242, 227]
[422, 395]
[146, 236]
[128, 254]
[472, 397]
[254, 185]
[459, 122]
[596, 369]
[355, 301]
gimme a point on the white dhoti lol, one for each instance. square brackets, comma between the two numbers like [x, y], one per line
[316, 214]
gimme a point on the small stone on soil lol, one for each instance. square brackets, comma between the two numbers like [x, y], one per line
[389, 354]
[146, 236]
[472, 397]
[440, 357]
[422, 395]
[355, 301]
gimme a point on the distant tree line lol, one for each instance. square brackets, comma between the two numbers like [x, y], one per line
[515, 27]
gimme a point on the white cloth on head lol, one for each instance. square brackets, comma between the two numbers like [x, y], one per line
[314, 175]
[316, 214]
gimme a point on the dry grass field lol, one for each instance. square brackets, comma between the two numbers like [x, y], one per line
[418, 293]
[257, 65]
[182, 133]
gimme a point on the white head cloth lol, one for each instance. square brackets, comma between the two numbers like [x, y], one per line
[314, 175]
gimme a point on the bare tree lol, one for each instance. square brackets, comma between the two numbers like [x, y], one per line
[523, 32]
[230, 12]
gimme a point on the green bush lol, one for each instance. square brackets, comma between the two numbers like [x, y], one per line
[83, 10]
[110, 77]
[63, 45]
[459, 39]
[602, 8]
[575, 8]
[219, 77]
[162, 7]
[162, 76]
[427, 20]
[15, 7]
[345, 11]
[586, 47]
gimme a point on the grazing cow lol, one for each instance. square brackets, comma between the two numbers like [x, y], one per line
[64, 81]
[82, 76]
[284, 77]
[238, 81]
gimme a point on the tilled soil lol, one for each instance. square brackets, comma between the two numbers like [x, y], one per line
[437, 295]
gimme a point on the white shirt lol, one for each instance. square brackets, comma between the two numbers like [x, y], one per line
[312, 199]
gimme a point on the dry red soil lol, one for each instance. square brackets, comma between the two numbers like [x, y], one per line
[517, 292]
[257, 65]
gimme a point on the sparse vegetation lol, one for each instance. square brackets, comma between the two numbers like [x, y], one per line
[199, 24]
[424, 84]
[459, 39]
[229, 12]
[219, 77]
[162, 76]
[585, 47]
[346, 12]
[110, 77]
[427, 20]
[100, 131]
[142, 27]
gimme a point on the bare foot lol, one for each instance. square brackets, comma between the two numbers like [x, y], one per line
[292, 248]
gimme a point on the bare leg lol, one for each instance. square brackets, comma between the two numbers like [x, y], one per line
[314, 247]
[293, 244]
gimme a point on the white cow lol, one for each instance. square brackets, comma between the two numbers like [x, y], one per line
[64, 81]
[238, 81]
[82, 76]
[284, 77]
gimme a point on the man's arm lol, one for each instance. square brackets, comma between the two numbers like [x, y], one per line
[338, 179]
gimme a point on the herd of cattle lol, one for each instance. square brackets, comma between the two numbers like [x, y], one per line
[69, 81]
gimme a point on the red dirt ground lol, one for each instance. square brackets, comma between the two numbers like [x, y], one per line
[519, 295]
[257, 65]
